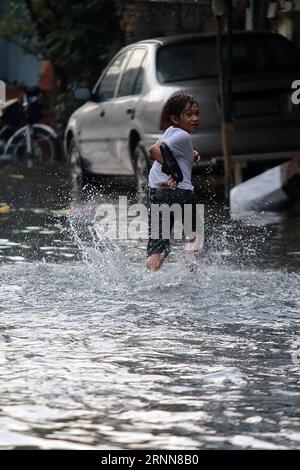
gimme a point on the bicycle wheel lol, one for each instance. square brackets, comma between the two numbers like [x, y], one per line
[45, 146]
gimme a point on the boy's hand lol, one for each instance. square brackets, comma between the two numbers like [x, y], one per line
[171, 182]
[197, 156]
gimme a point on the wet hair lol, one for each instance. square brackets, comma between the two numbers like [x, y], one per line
[174, 107]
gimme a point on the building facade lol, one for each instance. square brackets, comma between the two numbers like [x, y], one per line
[141, 19]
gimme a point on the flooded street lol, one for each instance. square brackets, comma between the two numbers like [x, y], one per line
[95, 352]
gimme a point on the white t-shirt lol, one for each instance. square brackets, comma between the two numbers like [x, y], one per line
[180, 143]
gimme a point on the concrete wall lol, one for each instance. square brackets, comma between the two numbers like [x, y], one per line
[145, 19]
[17, 66]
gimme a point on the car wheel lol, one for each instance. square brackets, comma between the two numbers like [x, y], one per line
[80, 178]
[141, 171]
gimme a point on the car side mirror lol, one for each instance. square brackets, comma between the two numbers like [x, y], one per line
[82, 94]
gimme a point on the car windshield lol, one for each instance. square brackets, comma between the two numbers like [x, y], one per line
[252, 54]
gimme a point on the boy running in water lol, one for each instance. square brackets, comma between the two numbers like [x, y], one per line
[182, 111]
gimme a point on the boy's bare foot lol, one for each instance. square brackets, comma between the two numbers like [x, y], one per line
[192, 261]
[155, 261]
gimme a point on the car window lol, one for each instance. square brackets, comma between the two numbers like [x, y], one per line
[252, 54]
[132, 73]
[278, 54]
[140, 78]
[186, 61]
[109, 82]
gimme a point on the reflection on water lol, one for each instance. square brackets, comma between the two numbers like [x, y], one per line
[96, 352]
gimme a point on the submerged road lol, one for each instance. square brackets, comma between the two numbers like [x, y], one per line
[95, 352]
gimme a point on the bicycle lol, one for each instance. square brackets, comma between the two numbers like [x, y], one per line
[31, 142]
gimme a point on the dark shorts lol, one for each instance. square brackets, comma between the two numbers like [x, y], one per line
[182, 197]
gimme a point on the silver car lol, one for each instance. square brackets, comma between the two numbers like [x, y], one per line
[121, 118]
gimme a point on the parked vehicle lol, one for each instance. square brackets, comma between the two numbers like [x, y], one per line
[23, 139]
[121, 118]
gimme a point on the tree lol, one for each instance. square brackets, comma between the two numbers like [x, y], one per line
[79, 37]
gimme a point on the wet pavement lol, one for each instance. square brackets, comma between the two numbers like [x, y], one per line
[95, 352]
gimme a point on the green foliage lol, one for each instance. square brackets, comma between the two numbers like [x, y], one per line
[16, 25]
[79, 37]
[63, 106]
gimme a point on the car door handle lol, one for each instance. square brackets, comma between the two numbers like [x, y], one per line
[131, 111]
[102, 113]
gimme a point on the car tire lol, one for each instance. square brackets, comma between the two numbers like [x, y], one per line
[81, 180]
[141, 172]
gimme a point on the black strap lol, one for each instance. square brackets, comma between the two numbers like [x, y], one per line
[170, 166]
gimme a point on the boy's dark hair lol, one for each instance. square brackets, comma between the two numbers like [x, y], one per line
[174, 107]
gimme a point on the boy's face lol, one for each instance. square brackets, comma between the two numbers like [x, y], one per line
[189, 118]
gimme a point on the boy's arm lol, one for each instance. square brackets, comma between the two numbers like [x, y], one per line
[155, 154]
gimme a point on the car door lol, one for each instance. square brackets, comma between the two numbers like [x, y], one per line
[96, 124]
[123, 110]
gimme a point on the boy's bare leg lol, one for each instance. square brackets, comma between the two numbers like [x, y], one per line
[193, 242]
[193, 247]
[155, 261]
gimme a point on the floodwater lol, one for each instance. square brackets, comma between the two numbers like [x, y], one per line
[95, 352]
